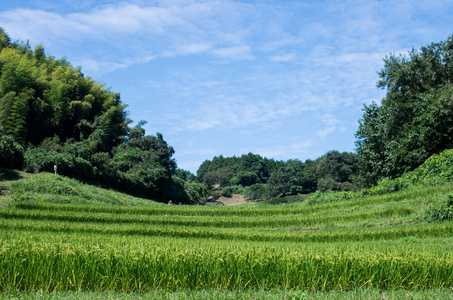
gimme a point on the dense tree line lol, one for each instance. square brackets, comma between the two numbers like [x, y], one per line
[50, 113]
[260, 177]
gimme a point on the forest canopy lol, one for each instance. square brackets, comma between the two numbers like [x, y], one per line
[50, 113]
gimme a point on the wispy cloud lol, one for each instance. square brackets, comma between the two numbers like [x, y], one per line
[283, 57]
[164, 29]
[199, 66]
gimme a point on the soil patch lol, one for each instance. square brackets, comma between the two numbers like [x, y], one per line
[235, 199]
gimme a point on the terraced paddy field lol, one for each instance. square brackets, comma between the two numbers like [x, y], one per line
[54, 245]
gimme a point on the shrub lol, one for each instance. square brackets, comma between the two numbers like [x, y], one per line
[258, 191]
[244, 178]
[440, 212]
[42, 160]
[228, 191]
[11, 153]
[39, 160]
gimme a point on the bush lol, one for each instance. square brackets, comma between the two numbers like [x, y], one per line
[244, 178]
[196, 191]
[436, 169]
[258, 191]
[42, 160]
[440, 212]
[228, 191]
[11, 153]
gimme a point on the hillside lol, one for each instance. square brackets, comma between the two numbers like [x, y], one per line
[16, 186]
[60, 236]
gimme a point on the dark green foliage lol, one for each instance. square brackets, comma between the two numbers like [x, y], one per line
[140, 169]
[218, 179]
[332, 171]
[186, 175]
[42, 160]
[247, 163]
[196, 192]
[288, 180]
[41, 97]
[216, 163]
[159, 146]
[415, 119]
[244, 178]
[336, 171]
[5, 41]
[11, 153]
[227, 191]
[253, 163]
[436, 170]
[294, 177]
[69, 120]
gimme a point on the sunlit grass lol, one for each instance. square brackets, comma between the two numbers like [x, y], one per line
[59, 238]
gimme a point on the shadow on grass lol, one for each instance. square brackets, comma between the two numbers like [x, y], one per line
[9, 175]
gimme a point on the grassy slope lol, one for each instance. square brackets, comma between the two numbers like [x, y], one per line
[380, 215]
[49, 188]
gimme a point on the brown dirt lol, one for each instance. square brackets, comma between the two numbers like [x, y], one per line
[235, 199]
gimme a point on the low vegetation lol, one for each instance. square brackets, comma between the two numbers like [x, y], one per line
[66, 236]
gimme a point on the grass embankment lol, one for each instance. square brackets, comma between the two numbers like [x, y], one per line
[70, 240]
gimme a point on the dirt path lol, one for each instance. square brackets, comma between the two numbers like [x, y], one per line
[235, 199]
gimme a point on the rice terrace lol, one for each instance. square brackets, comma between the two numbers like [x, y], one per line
[65, 237]
[92, 207]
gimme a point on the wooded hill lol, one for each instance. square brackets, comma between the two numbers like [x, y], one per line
[51, 114]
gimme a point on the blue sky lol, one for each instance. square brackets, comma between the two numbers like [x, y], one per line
[283, 79]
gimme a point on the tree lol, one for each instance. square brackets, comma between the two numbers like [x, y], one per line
[42, 97]
[5, 41]
[140, 170]
[253, 163]
[335, 171]
[220, 177]
[291, 179]
[186, 175]
[11, 153]
[414, 120]
[63, 117]
[244, 178]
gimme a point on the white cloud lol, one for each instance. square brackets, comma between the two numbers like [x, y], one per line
[235, 52]
[101, 67]
[283, 57]
[332, 124]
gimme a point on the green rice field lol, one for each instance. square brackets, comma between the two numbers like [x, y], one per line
[365, 246]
